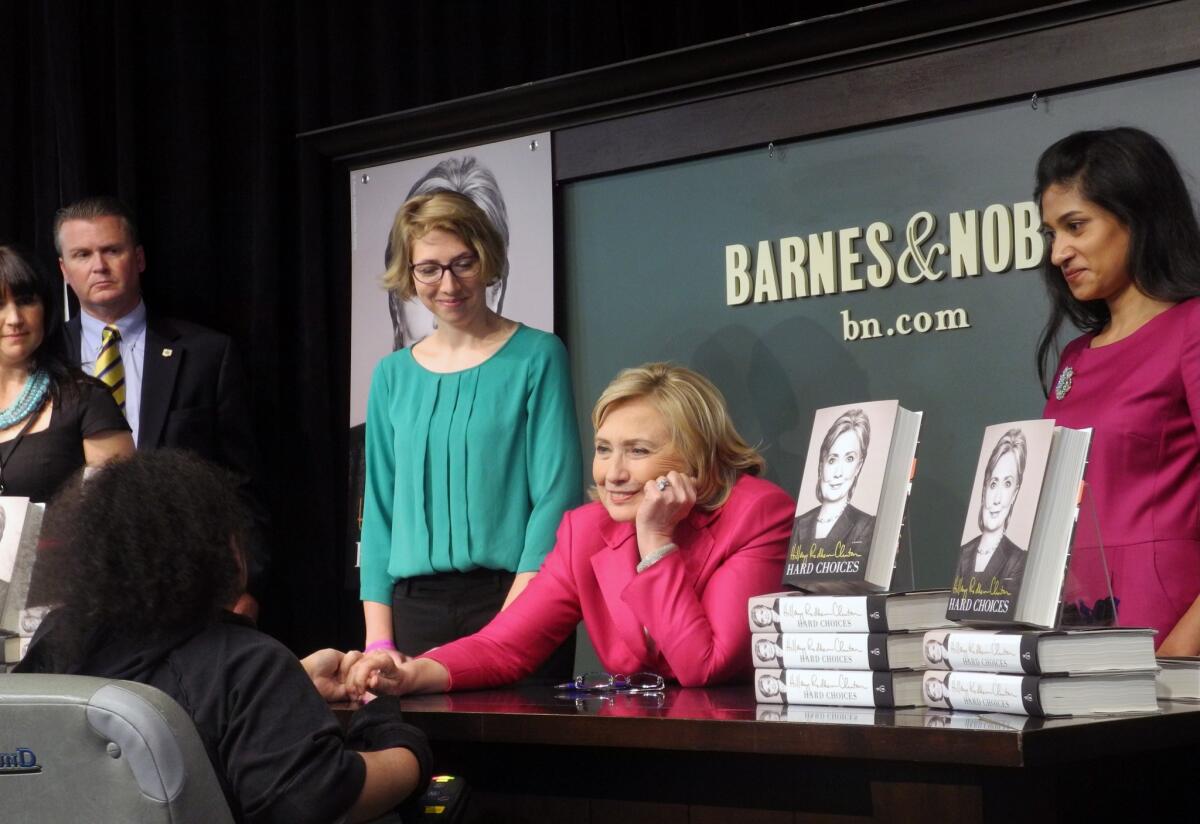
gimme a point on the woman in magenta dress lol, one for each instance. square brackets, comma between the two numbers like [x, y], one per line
[1124, 267]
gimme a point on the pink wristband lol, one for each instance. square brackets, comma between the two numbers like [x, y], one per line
[383, 643]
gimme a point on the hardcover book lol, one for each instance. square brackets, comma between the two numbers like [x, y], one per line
[1020, 521]
[14, 647]
[801, 714]
[1179, 678]
[20, 526]
[1041, 695]
[883, 612]
[845, 688]
[852, 498]
[838, 650]
[1040, 652]
[989, 722]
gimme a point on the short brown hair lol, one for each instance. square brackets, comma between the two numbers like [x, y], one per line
[93, 208]
[695, 413]
[448, 212]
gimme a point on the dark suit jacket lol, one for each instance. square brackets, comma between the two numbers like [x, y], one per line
[193, 398]
[853, 527]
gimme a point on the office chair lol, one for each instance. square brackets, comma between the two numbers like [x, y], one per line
[76, 748]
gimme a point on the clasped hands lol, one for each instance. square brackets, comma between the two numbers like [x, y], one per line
[349, 676]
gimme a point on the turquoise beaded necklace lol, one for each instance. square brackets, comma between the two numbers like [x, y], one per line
[32, 396]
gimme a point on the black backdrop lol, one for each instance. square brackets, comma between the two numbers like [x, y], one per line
[189, 112]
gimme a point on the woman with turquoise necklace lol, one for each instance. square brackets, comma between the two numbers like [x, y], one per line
[472, 445]
[53, 418]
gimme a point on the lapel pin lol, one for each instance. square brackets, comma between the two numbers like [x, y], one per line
[1064, 383]
[168, 353]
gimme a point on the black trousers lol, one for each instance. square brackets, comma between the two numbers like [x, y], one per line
[431, 610]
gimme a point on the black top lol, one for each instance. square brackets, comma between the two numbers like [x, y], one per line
[1007, 564]
[279, 751]
[42, 461]
[853, 527]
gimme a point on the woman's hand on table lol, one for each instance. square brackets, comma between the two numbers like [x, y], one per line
[379, 672]
[330, 671]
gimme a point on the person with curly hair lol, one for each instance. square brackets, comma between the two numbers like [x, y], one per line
[142, 559]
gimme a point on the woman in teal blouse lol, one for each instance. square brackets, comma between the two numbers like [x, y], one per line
[472, 445]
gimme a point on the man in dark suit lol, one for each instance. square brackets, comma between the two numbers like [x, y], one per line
[179, 383]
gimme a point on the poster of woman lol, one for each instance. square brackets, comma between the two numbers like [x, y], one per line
[512, 182]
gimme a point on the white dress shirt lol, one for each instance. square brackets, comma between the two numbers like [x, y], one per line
[133, 355]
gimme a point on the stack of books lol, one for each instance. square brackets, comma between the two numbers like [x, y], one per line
[1179, 678]
[20, 527]
[1016, 547]
[1041, 673]
[842, 650]
[841, 636]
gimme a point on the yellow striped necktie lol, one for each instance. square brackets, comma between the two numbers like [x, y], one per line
[108, 364]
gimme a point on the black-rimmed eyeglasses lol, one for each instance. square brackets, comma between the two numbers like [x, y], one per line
[603, 682]
[430, 272]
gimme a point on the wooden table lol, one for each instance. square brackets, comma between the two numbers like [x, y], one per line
[712, 755]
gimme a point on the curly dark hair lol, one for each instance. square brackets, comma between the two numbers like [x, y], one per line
[143, 548]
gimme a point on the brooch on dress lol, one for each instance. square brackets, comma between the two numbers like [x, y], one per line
[1064, 383]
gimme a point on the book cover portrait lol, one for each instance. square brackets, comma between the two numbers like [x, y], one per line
[839, 495]
[1000, 515]
[8, 545]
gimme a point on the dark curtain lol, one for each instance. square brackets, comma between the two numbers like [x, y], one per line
[188, 111]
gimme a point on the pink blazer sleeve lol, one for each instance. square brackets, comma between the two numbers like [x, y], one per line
[702, 632]
[521, 637]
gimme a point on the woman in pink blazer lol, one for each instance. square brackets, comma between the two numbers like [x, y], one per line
[1124, 267]
[659, 566]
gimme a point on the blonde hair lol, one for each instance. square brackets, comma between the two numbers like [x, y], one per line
[701, 431]
[448, 212]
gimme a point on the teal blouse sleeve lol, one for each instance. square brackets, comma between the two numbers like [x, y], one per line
[552, 452]
[375, 543]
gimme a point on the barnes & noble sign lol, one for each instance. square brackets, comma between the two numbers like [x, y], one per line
[997, 239]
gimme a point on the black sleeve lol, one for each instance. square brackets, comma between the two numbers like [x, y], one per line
[378, 726]
[283, 750]
[98, 412]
